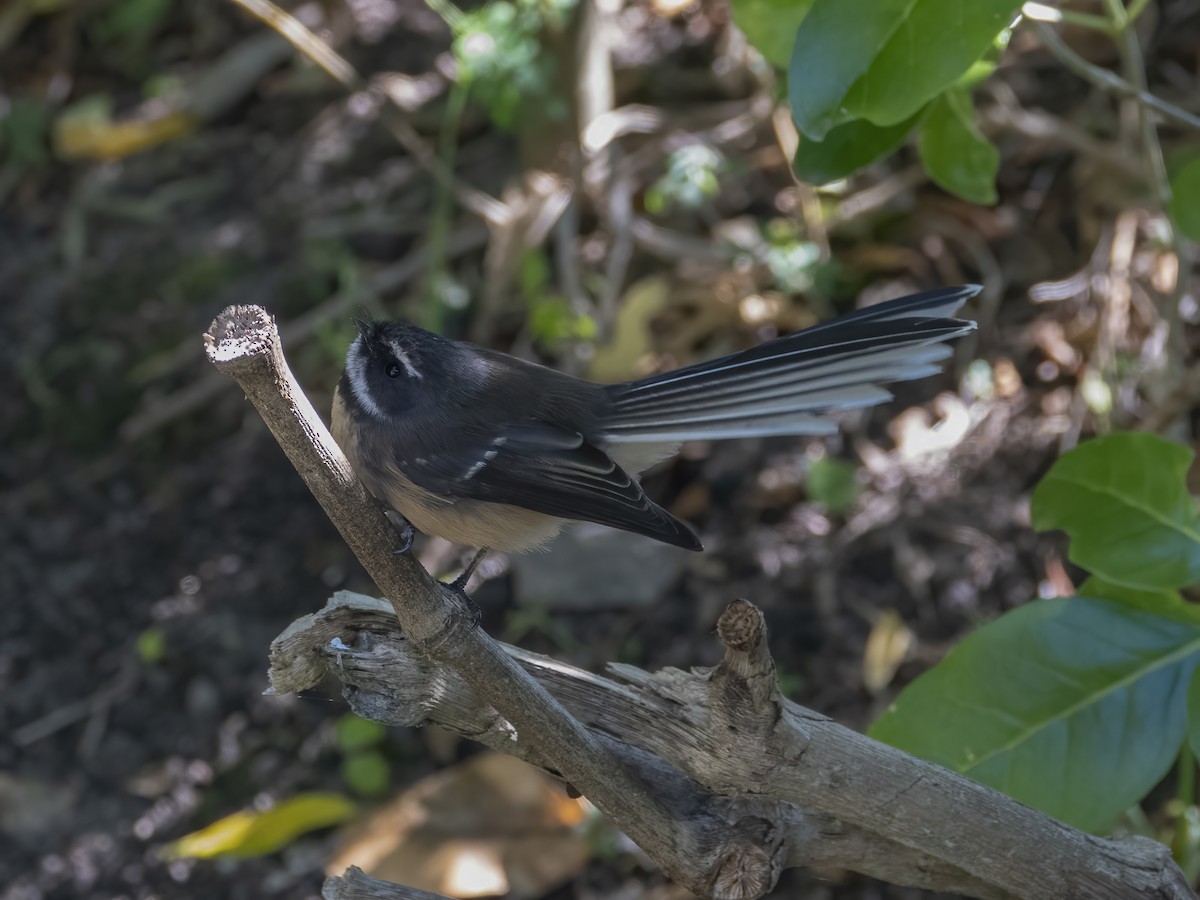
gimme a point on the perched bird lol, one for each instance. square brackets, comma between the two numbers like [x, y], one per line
[490, 451]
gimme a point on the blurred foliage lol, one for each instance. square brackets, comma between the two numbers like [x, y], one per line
[551, 316]
[367, 773]
[1038, 703]
[1185, 840]
[356, 733]
[832, 483]
[23, 134]
[135, 19]
[1185, 199]
[152, 646]
[795, 264]
[364, 767]
[501, 57]
[692, 179]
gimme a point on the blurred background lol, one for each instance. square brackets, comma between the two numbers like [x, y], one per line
[600, 185]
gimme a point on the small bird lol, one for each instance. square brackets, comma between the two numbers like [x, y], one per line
[494, 452]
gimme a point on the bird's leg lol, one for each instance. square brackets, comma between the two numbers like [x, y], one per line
[407, 533]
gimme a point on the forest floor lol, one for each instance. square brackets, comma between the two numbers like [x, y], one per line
[154, 540]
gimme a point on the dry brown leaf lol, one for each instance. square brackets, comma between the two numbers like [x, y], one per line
[491, 825]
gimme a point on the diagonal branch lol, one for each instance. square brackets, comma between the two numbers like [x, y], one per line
[243, 343]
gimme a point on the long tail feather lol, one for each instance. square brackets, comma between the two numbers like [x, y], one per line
[784, 386]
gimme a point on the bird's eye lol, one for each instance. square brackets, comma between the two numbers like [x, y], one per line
[393, 371]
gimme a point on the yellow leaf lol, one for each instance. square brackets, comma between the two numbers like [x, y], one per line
[618, 359]
[245, 833]
[888, 644]
[84, 137]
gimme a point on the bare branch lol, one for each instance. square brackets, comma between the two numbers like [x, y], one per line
[1111, 81]
[725, 743]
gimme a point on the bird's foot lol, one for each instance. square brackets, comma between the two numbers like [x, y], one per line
[407, 532]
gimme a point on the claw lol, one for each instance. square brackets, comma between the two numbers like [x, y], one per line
[407, 532]
[407, 535]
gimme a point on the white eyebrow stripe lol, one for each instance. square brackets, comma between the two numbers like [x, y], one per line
[404, 360]
[356, 370]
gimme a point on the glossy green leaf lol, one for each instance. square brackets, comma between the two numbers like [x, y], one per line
[1169, 604]
[846, 149]
[1193, 704]
[932, 48]
[883, 60]
[955, 153]
[834, 47]
[248, 833]
[770, 25]
[1074, 706]
[1185, 200]
[1123, 501]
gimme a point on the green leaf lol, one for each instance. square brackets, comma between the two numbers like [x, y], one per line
[366, 772]
[152, 645]
[1185, 199]
[832, 483]
[1074, 706]
[882, 60]
[1169, 604]
[770, 25]
[23, 133]
[932, 47]
[835, 45]
[1194, 713]
[955, 153]
[245, 834]
[356, 733]
[1123, 501]
[846, 149]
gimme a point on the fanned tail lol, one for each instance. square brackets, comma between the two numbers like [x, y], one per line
[786, 385]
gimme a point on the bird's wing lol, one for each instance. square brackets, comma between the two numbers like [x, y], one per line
[548, 470]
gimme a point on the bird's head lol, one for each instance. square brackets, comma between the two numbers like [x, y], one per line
[393, 367]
